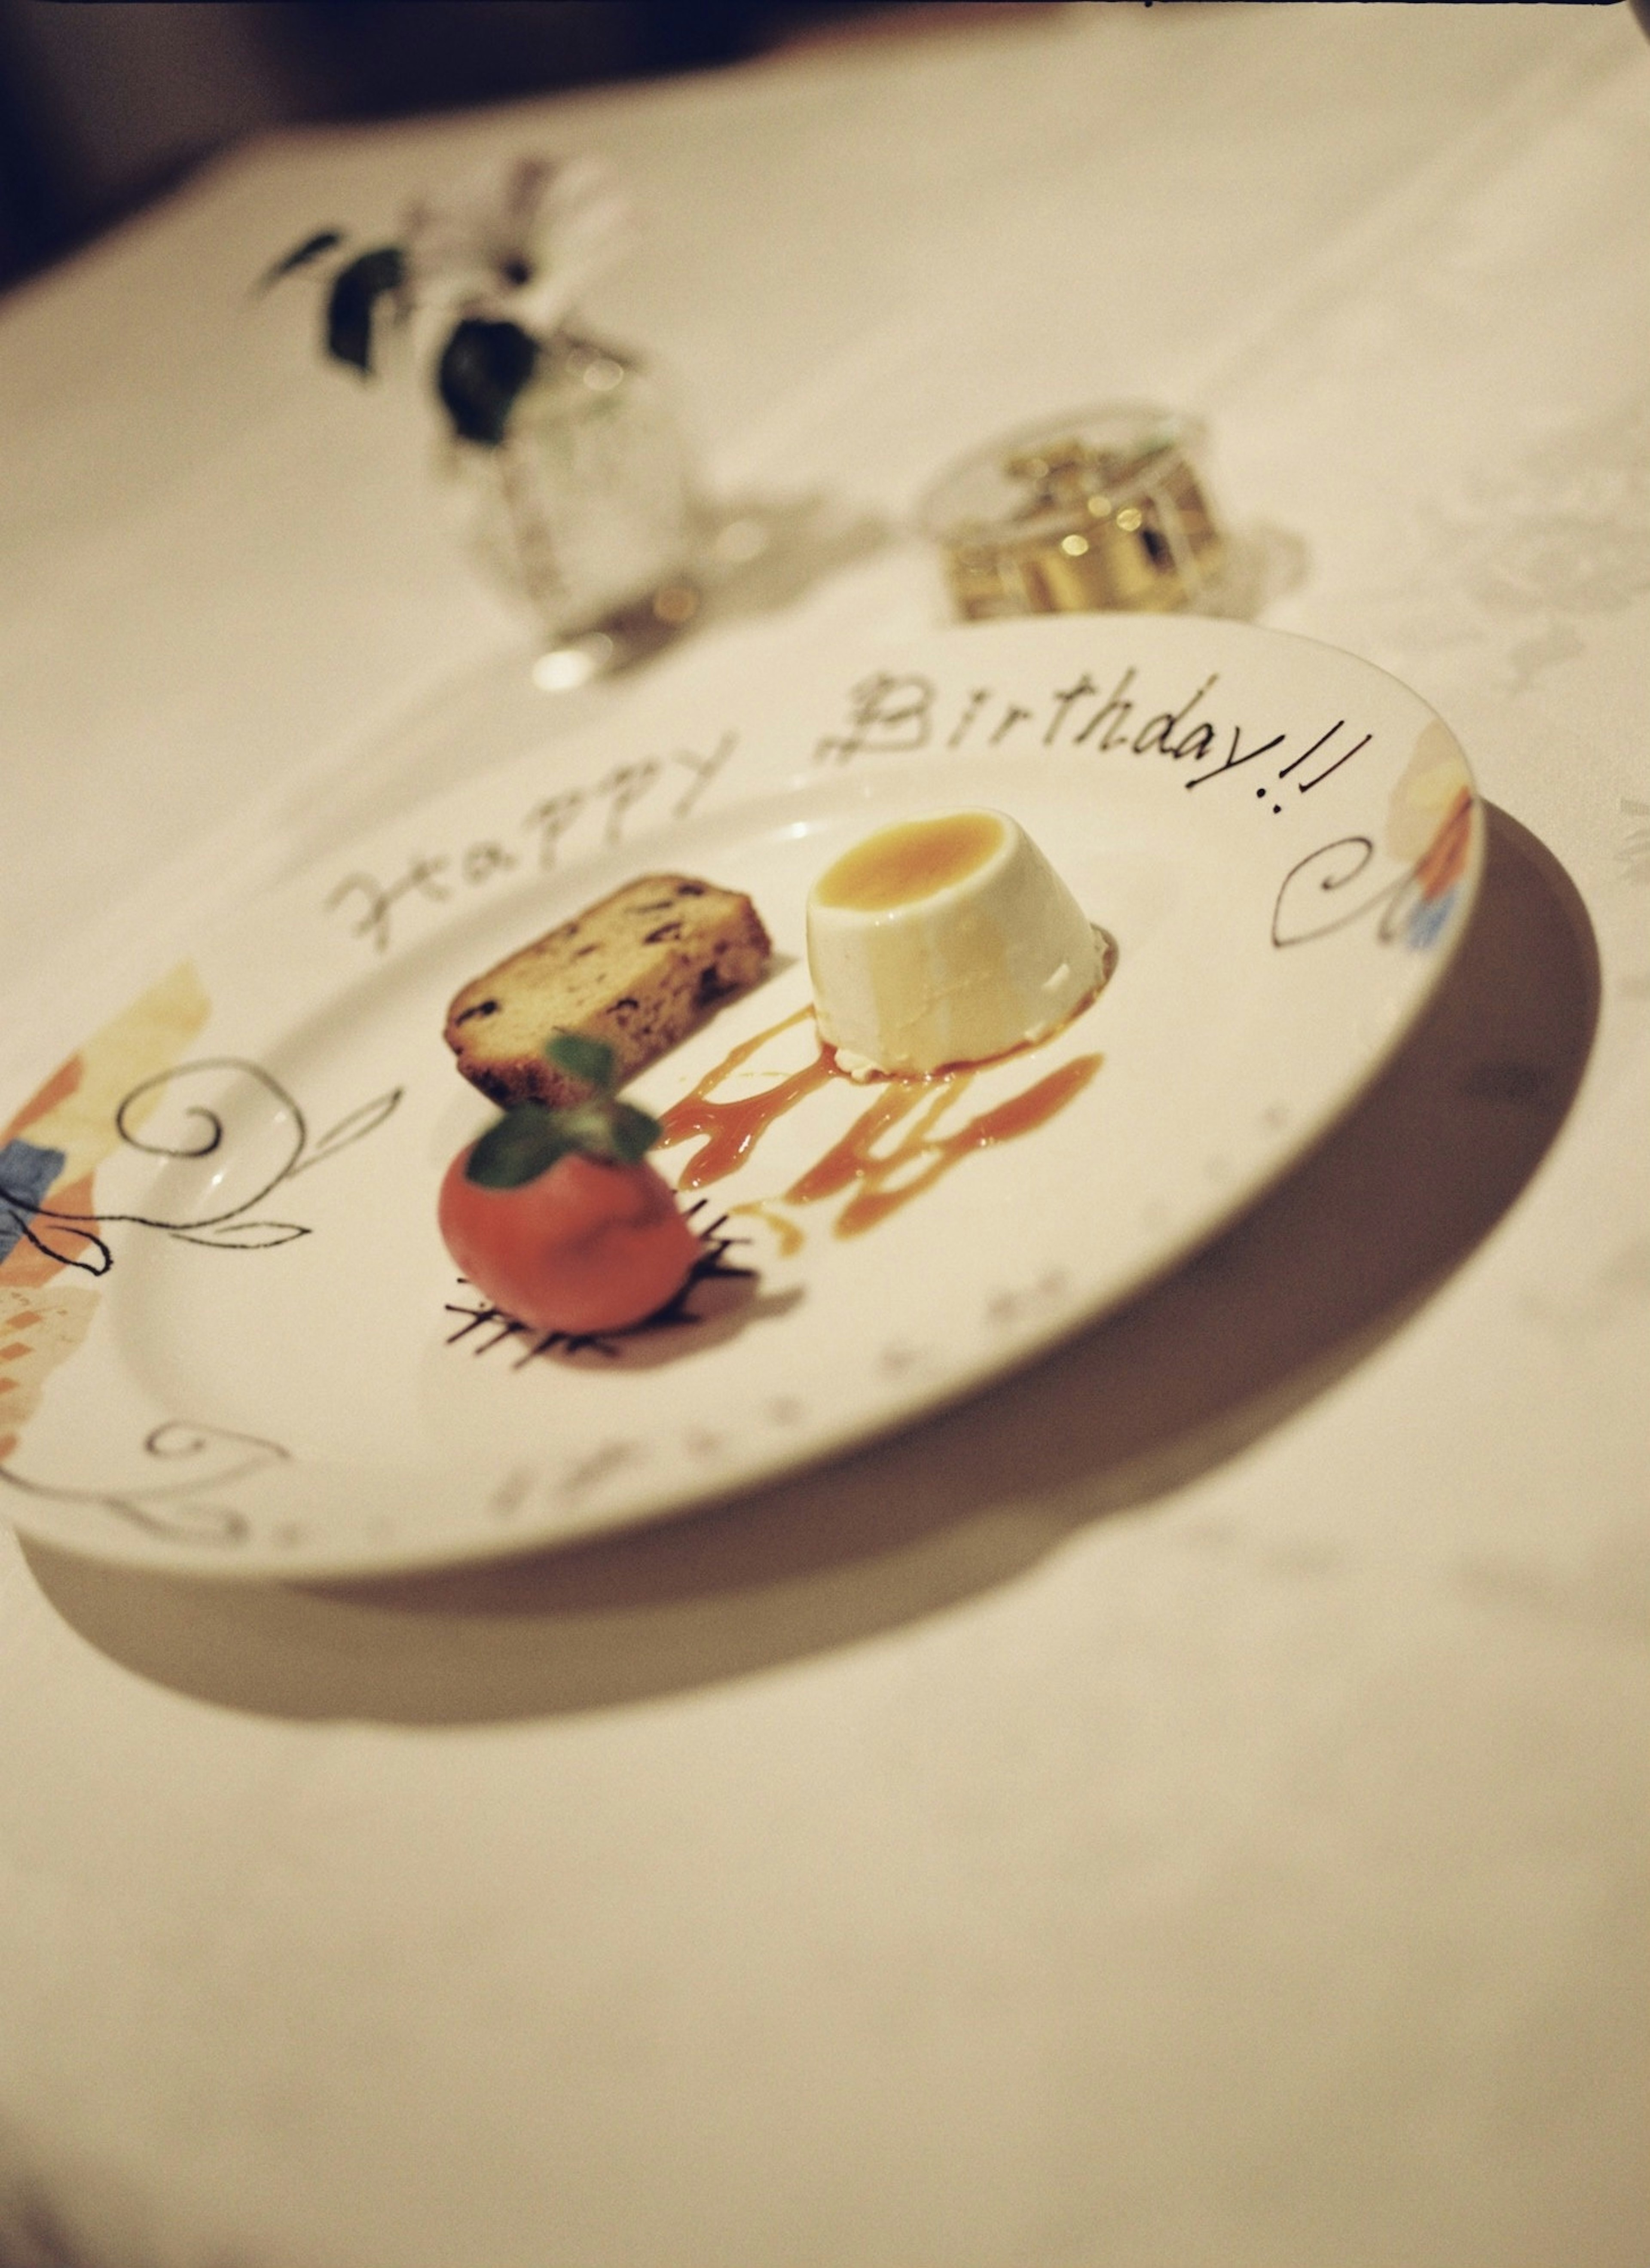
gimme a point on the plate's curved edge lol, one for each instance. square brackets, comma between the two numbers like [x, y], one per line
[613, 795]
[1445, 913]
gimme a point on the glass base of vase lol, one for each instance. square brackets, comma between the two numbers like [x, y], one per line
[622, 637]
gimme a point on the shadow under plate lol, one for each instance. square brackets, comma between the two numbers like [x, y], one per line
[1287, 1299]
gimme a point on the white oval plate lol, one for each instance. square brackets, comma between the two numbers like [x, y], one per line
[230, 1339]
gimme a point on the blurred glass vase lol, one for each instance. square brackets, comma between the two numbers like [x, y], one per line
[568, 460]
[584, 507]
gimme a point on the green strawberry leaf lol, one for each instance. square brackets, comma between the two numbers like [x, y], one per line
[528, 1140]
[519, 1146]
[592, 1062]
[633, 1133]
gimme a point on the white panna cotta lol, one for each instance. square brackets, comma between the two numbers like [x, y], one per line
[944, 940]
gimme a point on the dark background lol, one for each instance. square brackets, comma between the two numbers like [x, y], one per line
[105, 104]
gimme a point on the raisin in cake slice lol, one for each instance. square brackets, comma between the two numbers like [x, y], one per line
[639, 969]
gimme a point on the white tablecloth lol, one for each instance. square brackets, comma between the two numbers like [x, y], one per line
[1188, 1806]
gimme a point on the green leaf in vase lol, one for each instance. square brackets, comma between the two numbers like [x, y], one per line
[300, 256]
[483, 367]
[352, 303]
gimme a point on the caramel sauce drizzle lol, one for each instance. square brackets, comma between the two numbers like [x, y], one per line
[735, 1128]
[882, 1179]
[786, 1234]
[927, 1155]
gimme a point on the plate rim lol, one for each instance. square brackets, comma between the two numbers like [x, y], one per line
[771, 792]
